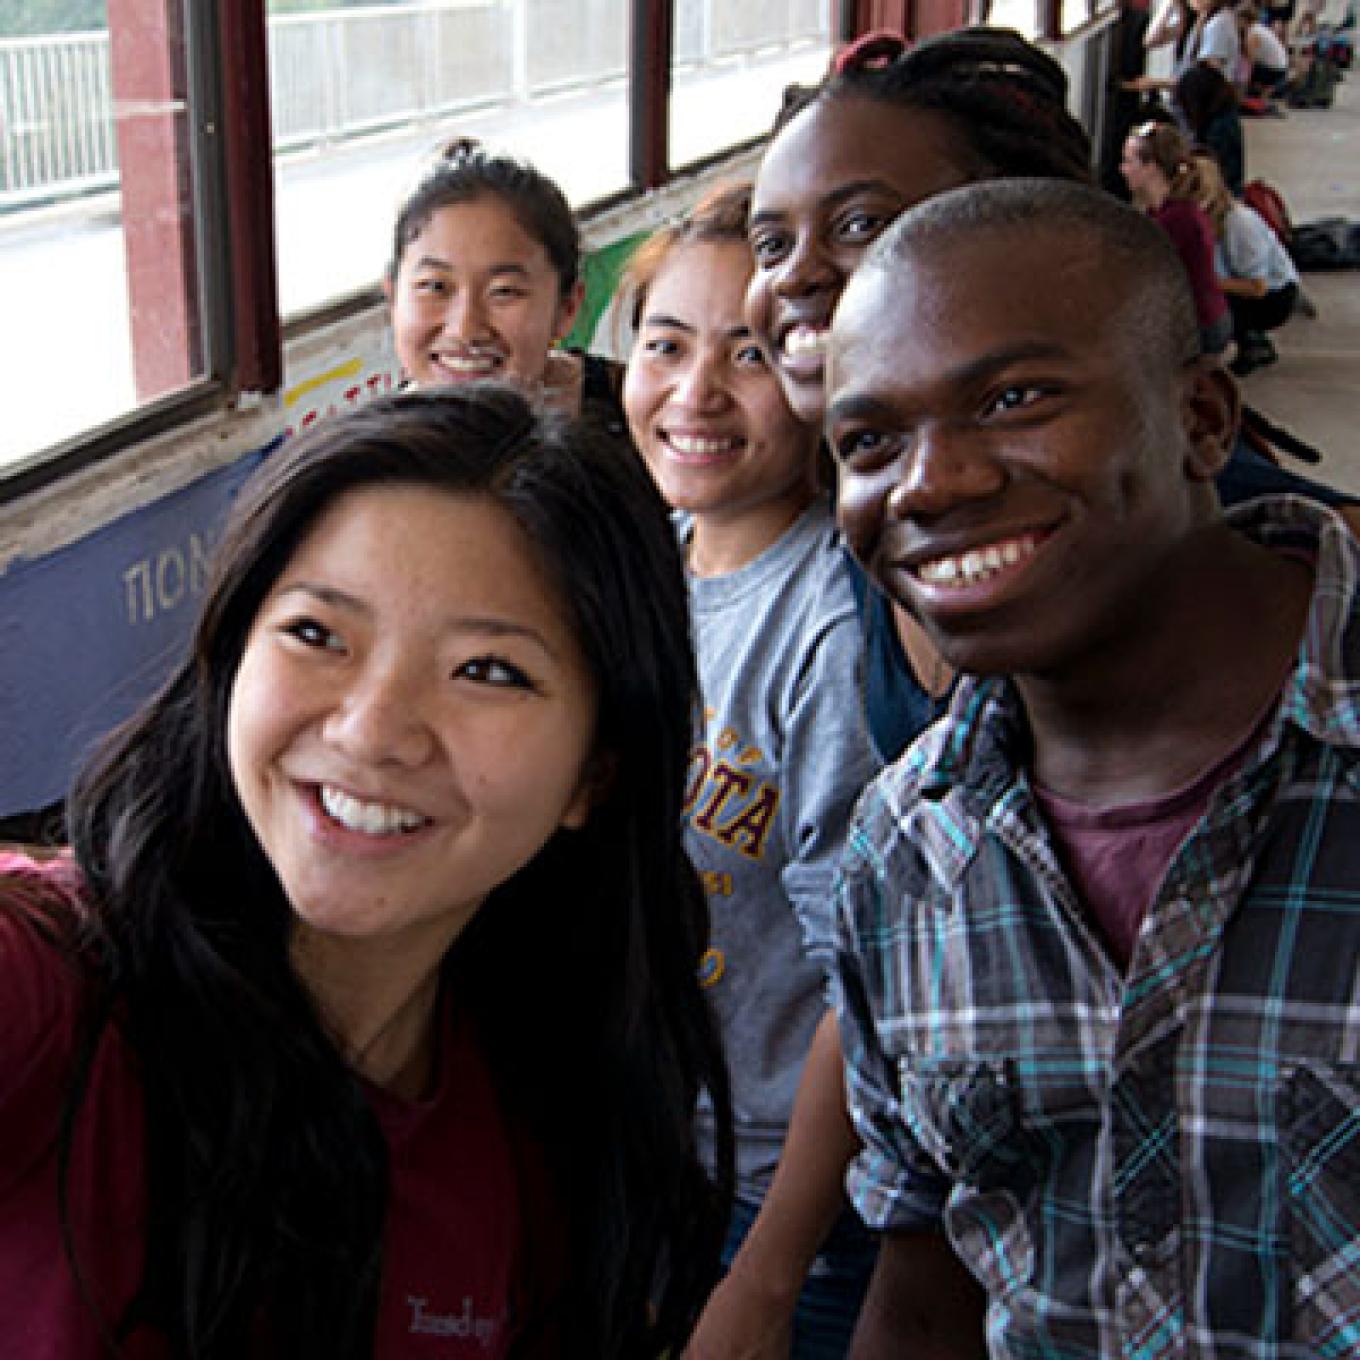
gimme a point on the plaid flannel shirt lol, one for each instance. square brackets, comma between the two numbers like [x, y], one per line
[1152, 1163]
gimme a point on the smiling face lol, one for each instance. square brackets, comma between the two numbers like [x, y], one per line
[411, 719]
[476, 296]
[832, 181]
[1144, 176]
[1016, 461]
[703, 406]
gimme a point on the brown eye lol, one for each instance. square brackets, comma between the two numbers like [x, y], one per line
[494, 671]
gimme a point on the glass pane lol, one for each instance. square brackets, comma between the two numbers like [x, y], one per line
[1021, 15]
[98, 258]
[730, 63]
[364, 94]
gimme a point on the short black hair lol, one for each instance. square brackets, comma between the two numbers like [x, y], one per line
[1132, 246]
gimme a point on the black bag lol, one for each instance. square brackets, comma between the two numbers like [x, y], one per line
[1329, 243]
[1316, 87]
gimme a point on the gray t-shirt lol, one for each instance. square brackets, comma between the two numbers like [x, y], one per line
[782, 757]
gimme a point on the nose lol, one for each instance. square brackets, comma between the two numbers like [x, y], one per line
[380, 720]
[700, 386]
[939, 470]
[806, 268]
[465, 317]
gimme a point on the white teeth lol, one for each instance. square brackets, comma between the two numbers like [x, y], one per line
[977, 564]
[374, 819]
[804, 340]
[698, 446]
[468, 363]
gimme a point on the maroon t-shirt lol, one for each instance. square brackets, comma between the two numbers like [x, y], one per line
[1192, 233]
[1117, 857]
[473, 1258]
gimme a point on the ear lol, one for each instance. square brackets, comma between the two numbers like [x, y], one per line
[596, 780]
[1211, 407]
[388, 284]
[568, 309]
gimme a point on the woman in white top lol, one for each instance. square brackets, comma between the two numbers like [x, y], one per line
[1265, 58]
[1204, 31]
[1254, 270]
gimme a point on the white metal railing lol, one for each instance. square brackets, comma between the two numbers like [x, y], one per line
[342, 73]
[56, 115]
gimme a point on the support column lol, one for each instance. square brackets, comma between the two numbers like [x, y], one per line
[150, 93]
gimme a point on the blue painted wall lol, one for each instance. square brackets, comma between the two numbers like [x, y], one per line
[89, 631]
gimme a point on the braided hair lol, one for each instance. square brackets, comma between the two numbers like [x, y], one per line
[1004, 98]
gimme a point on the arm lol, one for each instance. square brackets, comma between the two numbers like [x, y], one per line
[750, 1314]
[1247, 288]
[1166, 25]
[921, 1303]
[826, 759]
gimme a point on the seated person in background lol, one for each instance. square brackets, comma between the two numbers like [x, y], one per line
[485, 281]
[365, 1017]
[780, 757]
[1254, 270]
[1164, 181]
[1098, 950]
[1264, 53]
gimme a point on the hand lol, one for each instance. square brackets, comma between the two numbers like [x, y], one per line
[562, 382]
[740, 1322]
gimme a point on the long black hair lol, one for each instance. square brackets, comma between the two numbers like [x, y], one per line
[266, 1168]
[1004, 99]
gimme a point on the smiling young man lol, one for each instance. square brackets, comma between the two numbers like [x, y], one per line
[1098, 955]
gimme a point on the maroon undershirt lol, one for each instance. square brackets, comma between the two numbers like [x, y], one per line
[1116, 857]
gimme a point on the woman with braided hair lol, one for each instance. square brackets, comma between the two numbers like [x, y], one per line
[888, 127]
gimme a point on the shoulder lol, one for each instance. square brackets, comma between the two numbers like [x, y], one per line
[41, 982]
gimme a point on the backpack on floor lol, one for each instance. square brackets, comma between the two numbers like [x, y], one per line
[1329, 243]
[1269, 202]
[1316, 88]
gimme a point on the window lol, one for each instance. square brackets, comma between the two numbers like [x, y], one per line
[731, 61]
[145, 251]
[364, 95]
[100, 244]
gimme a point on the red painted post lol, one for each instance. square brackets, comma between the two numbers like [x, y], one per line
[150, 92]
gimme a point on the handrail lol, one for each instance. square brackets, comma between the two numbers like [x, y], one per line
[341, 74]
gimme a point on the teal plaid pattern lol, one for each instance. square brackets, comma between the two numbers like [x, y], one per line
[1163, 1162]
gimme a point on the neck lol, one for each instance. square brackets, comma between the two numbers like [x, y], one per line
[1152, 197]
[378, 1007]
[1175, 689]
[933, 673]
[724, 542]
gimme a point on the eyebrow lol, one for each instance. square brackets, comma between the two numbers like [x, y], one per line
[860, 406]
[834, 199]
[434, 262]
[664, 319]
[485, 625]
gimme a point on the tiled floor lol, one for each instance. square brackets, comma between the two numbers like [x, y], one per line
[1314, 158]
